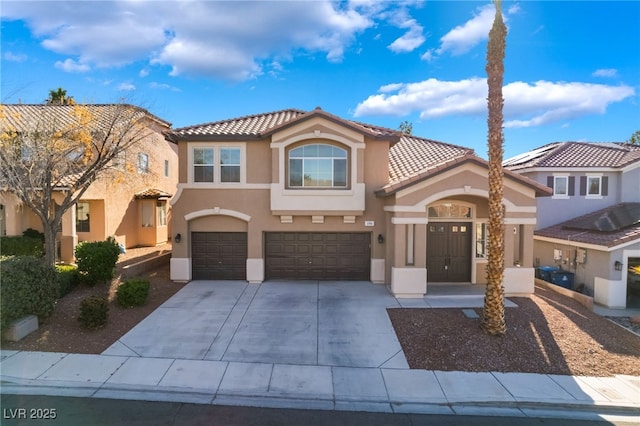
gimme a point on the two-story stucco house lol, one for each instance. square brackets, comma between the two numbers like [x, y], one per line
[308, 195]
[590, 226]
[130, 204]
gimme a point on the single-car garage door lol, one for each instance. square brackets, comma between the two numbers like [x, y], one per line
[318, 255]
[219, 255]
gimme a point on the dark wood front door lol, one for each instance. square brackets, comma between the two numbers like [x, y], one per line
[219, 255]
[449, 252]
[318, 255]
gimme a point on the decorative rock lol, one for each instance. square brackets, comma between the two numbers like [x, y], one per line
[635, 319]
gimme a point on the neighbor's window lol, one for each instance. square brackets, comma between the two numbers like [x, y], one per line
[166, 168]
[203, 164]
[561, 185]
[143, 163]
[481, 240]
[82, 217]
[119, 160]
[593, 185]
[162, 213]
[147, 214]
[229, 164]
[318, 166]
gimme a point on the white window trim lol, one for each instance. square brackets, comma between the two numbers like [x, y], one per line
[560, 196]
[217, 183]
[597, 196]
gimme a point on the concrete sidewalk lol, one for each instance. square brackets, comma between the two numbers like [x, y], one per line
[319, 387]
[306, 345]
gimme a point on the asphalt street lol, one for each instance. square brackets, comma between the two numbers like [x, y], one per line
[69, 411]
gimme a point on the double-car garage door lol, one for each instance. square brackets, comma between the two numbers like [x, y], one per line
[288, 255]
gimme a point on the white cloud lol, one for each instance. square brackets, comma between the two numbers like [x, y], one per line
[605, 72]
[143, 72]
[163, 86]
[229, 40]
[464, 37]
[412, 39]
[126, 87]
[526, 104]
[69, 65]
[14, 57]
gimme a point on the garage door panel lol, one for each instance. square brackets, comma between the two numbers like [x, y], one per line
[219, 255]
[317, 255]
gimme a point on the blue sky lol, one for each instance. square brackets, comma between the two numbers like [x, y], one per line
[572, 69]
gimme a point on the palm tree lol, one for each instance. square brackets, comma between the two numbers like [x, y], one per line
[493, 312]
[59, 97]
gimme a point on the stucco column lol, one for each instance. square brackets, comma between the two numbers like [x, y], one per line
[69, 237]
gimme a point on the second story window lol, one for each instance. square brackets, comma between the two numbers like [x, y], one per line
[318, 166]
[166, 168]
[203, 164]
[594, 186]
[230, 164]
[143, 163]
[561, 185]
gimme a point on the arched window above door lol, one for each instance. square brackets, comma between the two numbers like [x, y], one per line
[449, 210]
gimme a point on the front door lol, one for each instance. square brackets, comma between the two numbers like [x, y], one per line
[449, 252]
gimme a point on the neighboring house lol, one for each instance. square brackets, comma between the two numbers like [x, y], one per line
[591, 224]
[300, 195]
[131, 205]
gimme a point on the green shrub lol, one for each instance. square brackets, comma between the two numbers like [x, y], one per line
[96, 261]
[68, 278]
[94, 312]
[33, 233]
[21, 246]
[28, 287]
[132, 293]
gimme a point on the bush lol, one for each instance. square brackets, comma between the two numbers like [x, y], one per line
[94, 312]
[21, 246]
[28, 287]
[68, 278]
[33, 233]
[96, 261]
[133, 293]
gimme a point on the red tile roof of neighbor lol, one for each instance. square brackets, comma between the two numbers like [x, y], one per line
[152, 193]
[577, 154]
[22, 116]
[575, 230]
[411, 158]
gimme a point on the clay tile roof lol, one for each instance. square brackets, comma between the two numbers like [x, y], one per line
[574, 231]
[577, 154]
[249, 125]
[20, 116]
[152, 193]
[259, 126]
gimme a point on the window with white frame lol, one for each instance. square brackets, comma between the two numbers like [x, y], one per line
[593, 185]
[481, 240]
[147, 214]
[318, 166]
[161, 207]
[203, 164]
[229, 164]
[561, 186]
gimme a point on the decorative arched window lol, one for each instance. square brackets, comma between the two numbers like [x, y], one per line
[318, 166]
[449, 210]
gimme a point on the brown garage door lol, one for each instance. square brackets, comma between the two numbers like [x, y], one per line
[219, 255]
[318, 255]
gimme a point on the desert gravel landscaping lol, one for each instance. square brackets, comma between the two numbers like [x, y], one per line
[547, 333]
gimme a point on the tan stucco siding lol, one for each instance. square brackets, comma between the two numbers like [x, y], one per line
[258, 162]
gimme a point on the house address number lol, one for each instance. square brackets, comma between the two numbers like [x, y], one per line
[369, 223]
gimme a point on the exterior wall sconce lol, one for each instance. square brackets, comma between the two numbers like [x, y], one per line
[617, 265]
[178, 238]
[380, 239]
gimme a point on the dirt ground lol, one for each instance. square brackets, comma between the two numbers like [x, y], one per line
[547, 333]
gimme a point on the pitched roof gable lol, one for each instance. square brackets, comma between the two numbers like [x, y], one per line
[260, 126]
[576, 154]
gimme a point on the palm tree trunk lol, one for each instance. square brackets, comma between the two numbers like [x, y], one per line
[493, 313]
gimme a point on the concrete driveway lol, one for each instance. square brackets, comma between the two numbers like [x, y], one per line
[306, 323]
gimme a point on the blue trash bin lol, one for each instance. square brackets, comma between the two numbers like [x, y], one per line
[544, 272]
[563, 279]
